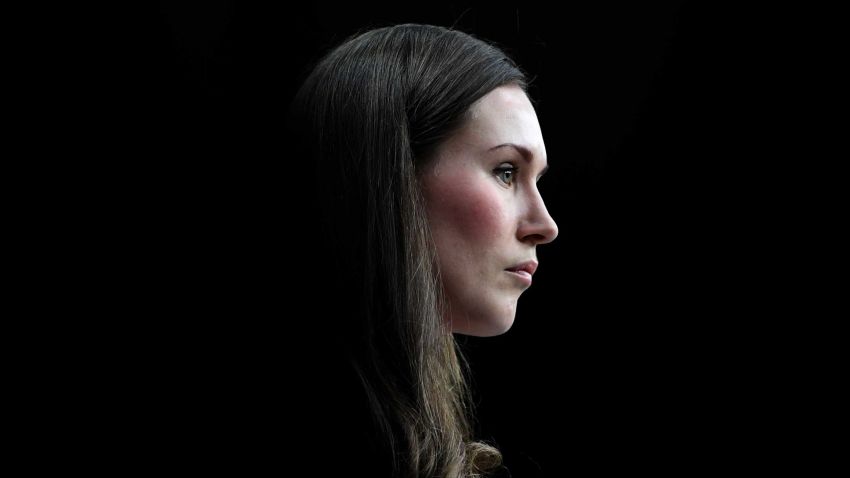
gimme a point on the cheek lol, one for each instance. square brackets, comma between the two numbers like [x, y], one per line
[467, 211]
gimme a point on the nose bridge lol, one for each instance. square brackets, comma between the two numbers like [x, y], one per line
[537, 221]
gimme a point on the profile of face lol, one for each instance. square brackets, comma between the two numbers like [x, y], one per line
[485, 212]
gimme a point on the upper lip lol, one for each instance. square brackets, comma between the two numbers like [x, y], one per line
[527, 266]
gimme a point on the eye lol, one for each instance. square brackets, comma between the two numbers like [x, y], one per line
[506, 173]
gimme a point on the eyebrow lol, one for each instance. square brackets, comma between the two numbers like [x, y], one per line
[526, 153]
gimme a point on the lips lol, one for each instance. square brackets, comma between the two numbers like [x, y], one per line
[528, 267]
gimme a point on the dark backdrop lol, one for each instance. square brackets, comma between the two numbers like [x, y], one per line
[633, 349]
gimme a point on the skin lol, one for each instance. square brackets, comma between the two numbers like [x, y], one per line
[485, 217]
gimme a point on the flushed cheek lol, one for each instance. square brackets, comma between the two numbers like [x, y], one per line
[474, 215]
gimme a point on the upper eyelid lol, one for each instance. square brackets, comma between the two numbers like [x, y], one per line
[506, 165]
[514, 162]
[512, 166]
[525, 155]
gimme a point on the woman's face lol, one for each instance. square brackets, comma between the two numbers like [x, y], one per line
[486, 215]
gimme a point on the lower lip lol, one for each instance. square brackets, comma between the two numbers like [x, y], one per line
[522, 276]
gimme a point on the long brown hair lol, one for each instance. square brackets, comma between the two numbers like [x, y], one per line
[369, 115]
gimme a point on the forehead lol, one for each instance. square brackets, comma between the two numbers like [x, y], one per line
[505, 115]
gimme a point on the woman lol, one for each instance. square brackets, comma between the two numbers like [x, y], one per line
[427, 153]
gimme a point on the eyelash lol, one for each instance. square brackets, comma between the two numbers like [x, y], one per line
[506, 169]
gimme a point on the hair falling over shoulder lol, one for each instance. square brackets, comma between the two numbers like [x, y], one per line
[368, 116]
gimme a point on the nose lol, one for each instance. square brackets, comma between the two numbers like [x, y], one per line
[537, 227]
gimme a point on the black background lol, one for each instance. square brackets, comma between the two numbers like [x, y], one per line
[645, 343]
